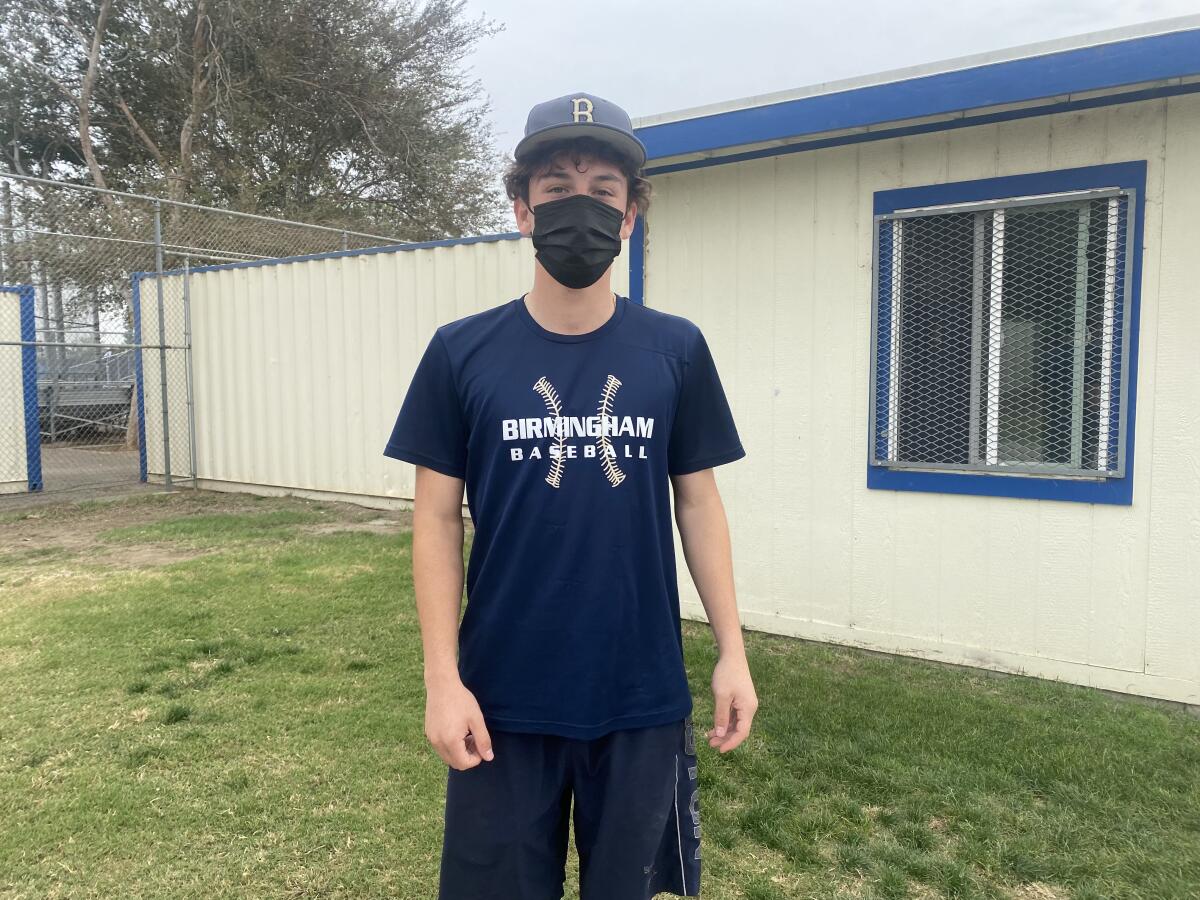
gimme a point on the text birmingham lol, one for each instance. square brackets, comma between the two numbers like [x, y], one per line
[577, 426]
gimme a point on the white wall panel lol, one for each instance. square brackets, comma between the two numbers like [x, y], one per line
[772, 258]
[301, 366]
[1173, 604]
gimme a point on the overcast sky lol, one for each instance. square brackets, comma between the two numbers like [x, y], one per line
[653, 56]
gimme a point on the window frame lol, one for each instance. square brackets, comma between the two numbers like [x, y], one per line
[1003, 192]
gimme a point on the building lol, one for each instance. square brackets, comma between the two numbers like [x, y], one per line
[957, 311]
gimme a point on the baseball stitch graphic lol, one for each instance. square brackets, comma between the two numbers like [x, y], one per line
[550, 397]
[614, 475]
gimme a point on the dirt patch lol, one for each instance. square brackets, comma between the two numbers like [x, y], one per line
[401, 522]
[338, 573]
[1036, 890]
[49, 532]
[143, 557]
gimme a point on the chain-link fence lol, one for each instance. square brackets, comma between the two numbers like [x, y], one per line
[96, 377]
[1000, 336]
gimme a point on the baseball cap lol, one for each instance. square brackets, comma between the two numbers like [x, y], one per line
[581, 115]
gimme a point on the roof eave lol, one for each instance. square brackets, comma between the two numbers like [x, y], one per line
[1112, 68]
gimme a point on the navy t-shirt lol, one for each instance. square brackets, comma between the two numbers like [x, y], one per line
[565, 442]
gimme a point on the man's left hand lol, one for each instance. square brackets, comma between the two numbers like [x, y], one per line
[734, 703]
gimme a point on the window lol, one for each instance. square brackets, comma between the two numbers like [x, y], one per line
[1001, 339]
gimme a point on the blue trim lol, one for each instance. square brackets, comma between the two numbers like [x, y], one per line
[637, 261]
[928, 127]
[141, 399]
[1106, 490]
[1105, 66]
[27, 297]
[1122, 174]
[336, 254]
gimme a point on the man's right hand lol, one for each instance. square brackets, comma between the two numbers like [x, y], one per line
[454, 725]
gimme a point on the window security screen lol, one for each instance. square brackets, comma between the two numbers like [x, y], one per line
[998, 336]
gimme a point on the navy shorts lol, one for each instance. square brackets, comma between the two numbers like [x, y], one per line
[635, 811]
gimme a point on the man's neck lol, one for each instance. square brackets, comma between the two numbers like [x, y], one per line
[567, 311]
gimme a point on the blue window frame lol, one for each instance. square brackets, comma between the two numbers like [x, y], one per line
[1004, 335]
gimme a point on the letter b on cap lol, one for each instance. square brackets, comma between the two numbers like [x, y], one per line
[581, 109]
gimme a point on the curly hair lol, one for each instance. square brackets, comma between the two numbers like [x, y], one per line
[516, 179]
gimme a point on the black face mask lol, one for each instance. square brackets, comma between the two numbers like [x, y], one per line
[576, 238]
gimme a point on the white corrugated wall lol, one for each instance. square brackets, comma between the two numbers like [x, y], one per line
[301, 367]
[772, 258]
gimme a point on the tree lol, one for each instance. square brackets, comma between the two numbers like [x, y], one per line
[353, 113]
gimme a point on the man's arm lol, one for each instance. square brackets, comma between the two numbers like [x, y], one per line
[451, 710]
[704, 534]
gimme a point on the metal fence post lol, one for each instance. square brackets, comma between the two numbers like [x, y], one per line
[162, 341]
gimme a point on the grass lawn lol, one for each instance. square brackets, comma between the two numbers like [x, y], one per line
[210, 695]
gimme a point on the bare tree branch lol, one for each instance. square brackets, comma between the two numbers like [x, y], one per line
[85, 97]
[141, 134]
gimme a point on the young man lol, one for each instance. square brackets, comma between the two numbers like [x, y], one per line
[569, 414]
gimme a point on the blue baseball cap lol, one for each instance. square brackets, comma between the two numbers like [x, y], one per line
[581, 115]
